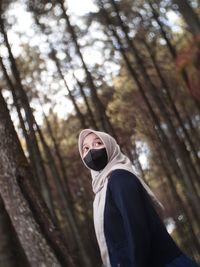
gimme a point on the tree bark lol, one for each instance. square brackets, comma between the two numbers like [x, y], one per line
[21, 96]
[67, 202]
[19, 194]
[11, 253]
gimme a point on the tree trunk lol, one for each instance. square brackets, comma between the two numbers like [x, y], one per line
[19, 195]
[193, 129]
[22, 124]
[179, 147]
[173, 106]
[170, 47]
[99, 107]
[183, 168]
[179, 203]
[23, 100]
[11, 253]
[78, 112]
[189, 16]
[80, 86]
[67, 202]
[80, 115]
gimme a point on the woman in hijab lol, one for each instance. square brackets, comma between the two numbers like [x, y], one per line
[128, 229]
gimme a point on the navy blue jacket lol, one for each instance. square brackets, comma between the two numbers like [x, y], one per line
[135, 234]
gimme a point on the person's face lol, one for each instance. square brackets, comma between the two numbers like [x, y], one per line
[90, 142]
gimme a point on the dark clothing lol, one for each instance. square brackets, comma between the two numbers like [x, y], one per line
[135, 234]
[182, 261]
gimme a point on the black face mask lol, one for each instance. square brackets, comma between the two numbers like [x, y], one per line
[96, 159]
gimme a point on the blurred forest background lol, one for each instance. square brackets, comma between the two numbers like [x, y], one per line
[130, 68]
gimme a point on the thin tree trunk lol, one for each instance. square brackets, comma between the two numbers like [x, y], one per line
[79, 114]
[191, 244]
[191, 190]
[170, 47]
[193, 129]
[189, 16]
[138, 164]
[179, 204]
[89, 111]
[65, 180]
[80, 86]
[180, 148]
[99, 108]
[190, 216]
[173, 106]
[22, 98]
[66, 201]
[17, 106]
[82, 120]
[28, 141]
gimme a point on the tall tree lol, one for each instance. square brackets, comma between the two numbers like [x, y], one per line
[15, 188]
[99, 107]
[181, 153]
[173, 51]
[189, 16]
[11, 253]
[21, 96]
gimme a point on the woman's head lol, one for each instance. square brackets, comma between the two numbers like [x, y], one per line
[94, 152]
[101, 154]
[97, 149]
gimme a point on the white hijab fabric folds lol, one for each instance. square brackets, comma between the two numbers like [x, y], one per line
[116, 160]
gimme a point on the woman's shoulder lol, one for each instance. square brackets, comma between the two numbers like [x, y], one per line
[121, 174]
[122, 178]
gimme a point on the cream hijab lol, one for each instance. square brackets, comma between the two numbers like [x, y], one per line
[116, 160]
